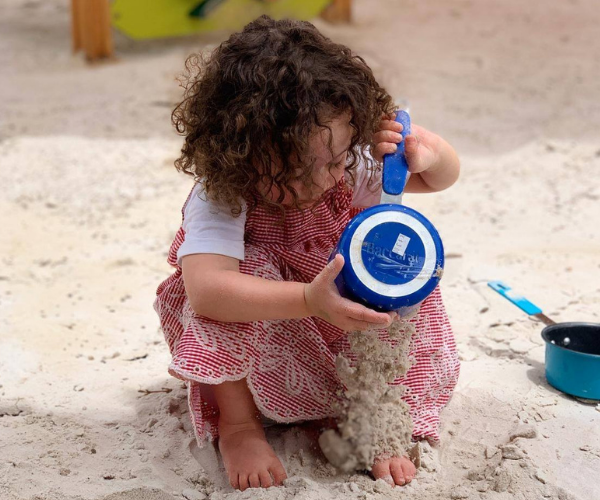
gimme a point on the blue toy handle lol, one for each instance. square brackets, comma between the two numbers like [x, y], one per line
[517, 299]
[395, 166]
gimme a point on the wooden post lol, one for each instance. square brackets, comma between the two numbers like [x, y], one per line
[75, 25]
[91, 30]
[339, 11]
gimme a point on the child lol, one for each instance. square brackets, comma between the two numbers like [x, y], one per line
[277, 124]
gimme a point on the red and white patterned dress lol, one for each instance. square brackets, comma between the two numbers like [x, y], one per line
[289, 365]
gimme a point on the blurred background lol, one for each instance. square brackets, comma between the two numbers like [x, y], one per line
[90, 202]
[530, 69]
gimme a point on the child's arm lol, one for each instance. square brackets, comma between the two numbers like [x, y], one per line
[216, 289]
[432, 162]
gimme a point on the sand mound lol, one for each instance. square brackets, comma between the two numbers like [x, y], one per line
[83, 342]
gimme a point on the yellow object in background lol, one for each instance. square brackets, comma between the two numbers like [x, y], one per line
[141, 19]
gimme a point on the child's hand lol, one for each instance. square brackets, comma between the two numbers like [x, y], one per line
[421, 147]
[324, 301]
[427, 154]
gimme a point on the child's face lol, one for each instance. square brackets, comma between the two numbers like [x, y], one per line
[328, 163]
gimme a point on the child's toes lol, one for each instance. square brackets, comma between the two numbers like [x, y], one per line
[381, 470]
[243, 479]
[397, 472]
[278, 473]
[254, 480]
[234, 481]
[409, 469]
[265, 479]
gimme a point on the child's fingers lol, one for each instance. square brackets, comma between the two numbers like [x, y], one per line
[331, 270]
[384, 148]
[391, 116]
[413, 154]
[355, 325]
[387, 136]
[412, 143]
[359, 326]
[390, 125]
[361, 313]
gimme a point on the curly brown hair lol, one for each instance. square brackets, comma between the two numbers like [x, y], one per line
[256, 99]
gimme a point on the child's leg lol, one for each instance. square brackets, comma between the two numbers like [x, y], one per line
[249, 459]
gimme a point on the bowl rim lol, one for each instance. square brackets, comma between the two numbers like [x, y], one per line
[568, 324]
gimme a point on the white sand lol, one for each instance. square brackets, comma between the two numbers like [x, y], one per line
[90, 203]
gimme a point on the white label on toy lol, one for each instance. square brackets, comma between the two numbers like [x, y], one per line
[401, 244]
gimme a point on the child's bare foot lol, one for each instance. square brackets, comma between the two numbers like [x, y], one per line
[394, 471]
[248, 457]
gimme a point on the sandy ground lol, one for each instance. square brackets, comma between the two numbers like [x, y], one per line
[90, 202]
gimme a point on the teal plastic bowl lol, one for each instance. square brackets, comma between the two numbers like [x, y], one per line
[573, 358]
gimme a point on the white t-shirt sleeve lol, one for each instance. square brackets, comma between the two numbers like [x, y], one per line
[211, 229]
[365, 195]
